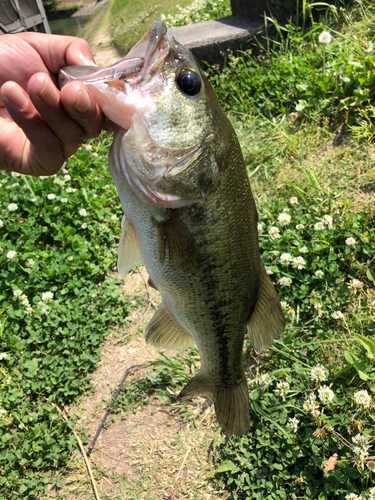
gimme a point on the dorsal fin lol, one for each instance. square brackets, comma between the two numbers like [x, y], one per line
[129, 253]
[267, 321]
[164, 331]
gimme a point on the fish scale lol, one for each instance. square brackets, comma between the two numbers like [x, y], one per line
[190, 217]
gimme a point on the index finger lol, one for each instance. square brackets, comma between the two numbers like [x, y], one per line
[57, 51]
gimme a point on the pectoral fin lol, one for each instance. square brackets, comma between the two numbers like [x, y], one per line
[129, 253]
[164, 331]
[176, 242]
[267, 321]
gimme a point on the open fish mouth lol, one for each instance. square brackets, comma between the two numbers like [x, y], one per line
[140, 64]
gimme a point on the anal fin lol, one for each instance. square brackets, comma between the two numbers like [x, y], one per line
[267, 321]
[164, 331]
[200, 385]
[129, 253]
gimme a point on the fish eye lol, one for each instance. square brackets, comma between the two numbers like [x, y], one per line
[189, 82]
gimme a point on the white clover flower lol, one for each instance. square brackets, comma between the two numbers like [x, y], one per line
[58, 181]
[47, 296]
[282, 389]
[355, 286]
[11, 254]
[337, 315]
[3, 355]
[1, 223]
[319, 273]
[353, 496]
[29, 310]
[30, 263]
[69, 190]
[264, 379]
[304, 250]
[293, 424]
[286, 258]
[318, 374]
[284, 218]
[299, 262]
[360, 456]
[17, 293]
[268, 270]
[70, 257]
[361, 441]
[95, 154]
[84, 225]
[362, 398]
[274, 232]
[44, 309]
[33, 200]
[372, 491]
[64, 200]
[260, 227]
[284, 281]
[368, 47]
[15, 174]
[12, 207]
[327, 221]
[114, 217]
[319, 226]
[67, 177]
[294, 200]
[8, 381]
[51, 196]
[350, 241]
[14, 185]
[300, 227]
[325, 394]
[82, 212]
[325, 37]
[311, 405]
[284, 304]
[88, 147]
[286, 209]
[2, 413]
[24, 300]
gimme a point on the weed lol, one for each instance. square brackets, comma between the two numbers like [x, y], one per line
[58, 299]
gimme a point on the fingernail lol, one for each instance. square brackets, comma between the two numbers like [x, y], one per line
[83, 102]
[48, 93]
[15, 95]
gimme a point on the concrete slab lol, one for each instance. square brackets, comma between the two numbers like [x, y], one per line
[207, 39]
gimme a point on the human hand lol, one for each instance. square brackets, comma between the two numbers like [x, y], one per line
[39, 125]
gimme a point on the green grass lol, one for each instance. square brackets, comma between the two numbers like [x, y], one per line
[58, 299]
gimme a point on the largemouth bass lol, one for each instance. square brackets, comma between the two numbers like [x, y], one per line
[190, 215]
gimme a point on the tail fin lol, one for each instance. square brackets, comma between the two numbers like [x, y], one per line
[231, 403]
[232, 409]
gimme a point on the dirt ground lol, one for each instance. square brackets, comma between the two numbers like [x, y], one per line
[152, 454]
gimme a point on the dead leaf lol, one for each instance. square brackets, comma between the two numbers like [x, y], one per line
[330, 464]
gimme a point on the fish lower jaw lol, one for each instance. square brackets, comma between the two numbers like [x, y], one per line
[154, 197]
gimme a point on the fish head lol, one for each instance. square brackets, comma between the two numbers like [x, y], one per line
[169, 143]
